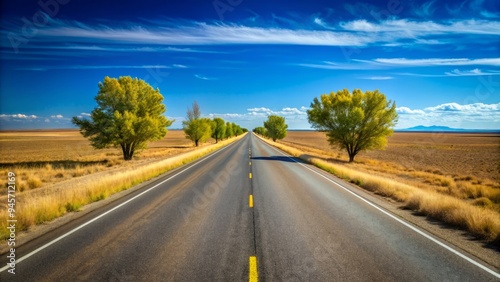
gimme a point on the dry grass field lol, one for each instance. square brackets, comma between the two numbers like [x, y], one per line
[42, 158]
[454, 177]
[59, 172]
[455, 154]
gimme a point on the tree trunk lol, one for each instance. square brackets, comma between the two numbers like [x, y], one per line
[128, 151]
[351, 157]
[196, 143]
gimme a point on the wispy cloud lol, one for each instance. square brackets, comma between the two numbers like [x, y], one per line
[179, 66]
[455, 72]
[378, 77]
[435, 62]
[425, 10]
[323, 24]
[202, 77]
[473, 72]
[132, 49]
[361, 65]
[84, 67]
[391, 63]
[408, 28]
[350, 33]
[474, 6]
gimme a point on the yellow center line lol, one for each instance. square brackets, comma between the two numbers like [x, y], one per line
[250, 201]
[249, 163]
[253, 276]
[250, 175]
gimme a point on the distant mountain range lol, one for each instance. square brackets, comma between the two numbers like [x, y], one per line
[434, 128]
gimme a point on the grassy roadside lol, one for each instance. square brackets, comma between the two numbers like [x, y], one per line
[480, 222]
[32, 209]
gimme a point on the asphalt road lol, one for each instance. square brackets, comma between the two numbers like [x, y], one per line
[242, 212]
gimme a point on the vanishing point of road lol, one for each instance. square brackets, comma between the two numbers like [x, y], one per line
[244, 213]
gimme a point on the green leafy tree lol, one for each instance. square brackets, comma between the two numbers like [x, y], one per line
[261, 131]
[197, 129]
[218, 129]
[236, 129]
[129, 113]
[229, 130]
[354, 122]
[275, 127]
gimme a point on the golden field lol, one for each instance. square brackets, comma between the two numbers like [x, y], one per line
[42, 158]
[475, 155]
[59, 172]
[447, 176]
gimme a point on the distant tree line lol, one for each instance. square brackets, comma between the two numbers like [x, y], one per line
[199, 129]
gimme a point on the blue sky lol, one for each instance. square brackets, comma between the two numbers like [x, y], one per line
[245, 59]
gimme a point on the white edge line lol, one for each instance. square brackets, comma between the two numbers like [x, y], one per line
[492, 272]
[111, 210]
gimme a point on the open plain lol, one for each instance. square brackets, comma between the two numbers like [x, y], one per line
[472, 155]
[45, 157]
[466, 166]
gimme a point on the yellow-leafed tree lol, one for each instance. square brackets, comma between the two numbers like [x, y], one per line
[129, 113]
[354, 121]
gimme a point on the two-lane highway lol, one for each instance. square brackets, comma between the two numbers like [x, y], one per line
[192, 225]
[242, 213]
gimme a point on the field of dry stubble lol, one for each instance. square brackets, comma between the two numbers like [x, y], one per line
[59, 172]
[466, 166]
[41, 158]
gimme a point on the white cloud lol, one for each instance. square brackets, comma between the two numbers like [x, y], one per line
[261, 113]
[408, 28]
[57, 116]
[408, 111]
[387, 63]
[425, 10]
[204, 77]
[18, 116]
[87, 67]
[466, 109]
[197, 33]
[341, 66]
[473, 72]
[159, 33]
[475, 115]
[435, 62]
[85, 114]
[378, 77]
[180, 66]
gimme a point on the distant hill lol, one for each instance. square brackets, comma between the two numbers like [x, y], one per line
[439, 128]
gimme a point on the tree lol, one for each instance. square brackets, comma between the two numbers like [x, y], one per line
[197, 129]
[355, 122]
[218, 129]
[236, 129]
[229, 130]
[275, 127]
[261, 131]
[129, 113]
